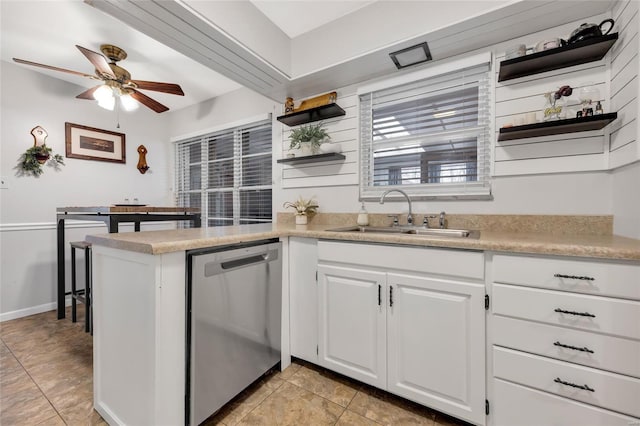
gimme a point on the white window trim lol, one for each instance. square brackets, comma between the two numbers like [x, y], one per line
[457, 63]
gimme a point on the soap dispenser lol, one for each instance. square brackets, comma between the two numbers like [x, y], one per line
[363, 217]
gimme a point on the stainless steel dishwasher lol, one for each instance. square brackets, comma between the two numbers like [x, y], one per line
[234, 306]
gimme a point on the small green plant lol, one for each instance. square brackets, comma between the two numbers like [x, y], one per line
[314, 134]
[34, 157]
[302, 206]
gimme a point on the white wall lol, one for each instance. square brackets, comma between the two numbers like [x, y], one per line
[28, 206]
[626, 200]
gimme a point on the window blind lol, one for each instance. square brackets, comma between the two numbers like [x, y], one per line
[430, 138]
[227, 174]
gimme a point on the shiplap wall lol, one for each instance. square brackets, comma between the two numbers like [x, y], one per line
[343, 131]
[615, 77]
[623, 146]
[570, 152]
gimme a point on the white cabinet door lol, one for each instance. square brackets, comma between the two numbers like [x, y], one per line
[352, 323]
[303, 297]
[436, 344]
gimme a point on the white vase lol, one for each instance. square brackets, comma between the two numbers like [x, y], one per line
[301, 219]
[306, 149]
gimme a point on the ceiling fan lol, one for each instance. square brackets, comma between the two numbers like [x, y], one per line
[117, 81]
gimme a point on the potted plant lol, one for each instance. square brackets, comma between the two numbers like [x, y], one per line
[36, 156]
[308, 138]
[303, 209]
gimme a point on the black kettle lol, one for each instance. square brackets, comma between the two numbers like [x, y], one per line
[586, 31]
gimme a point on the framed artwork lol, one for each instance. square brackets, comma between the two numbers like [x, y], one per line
[89, 143]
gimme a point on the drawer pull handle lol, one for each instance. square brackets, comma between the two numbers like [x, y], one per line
[581, 314]
[573, 385]
[575, 348]
[574, 277]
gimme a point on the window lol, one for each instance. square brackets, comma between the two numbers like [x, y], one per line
[430, 137]
[227, 174]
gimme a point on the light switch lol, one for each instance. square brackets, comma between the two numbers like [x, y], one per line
[4, 183]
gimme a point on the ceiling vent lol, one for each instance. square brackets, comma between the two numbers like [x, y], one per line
[410, 56]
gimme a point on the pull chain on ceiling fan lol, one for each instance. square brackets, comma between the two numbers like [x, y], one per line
[117, 82]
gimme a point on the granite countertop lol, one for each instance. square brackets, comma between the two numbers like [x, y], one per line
[158, 242]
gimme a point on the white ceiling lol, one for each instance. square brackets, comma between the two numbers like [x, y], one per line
[47, 32]
[299, 17]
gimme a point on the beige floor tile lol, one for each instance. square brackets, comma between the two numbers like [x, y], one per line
[53, 421]
[290, 371]
[324, 383]
[24, 405]
[349, 418]
[389, 410]
[291, 405]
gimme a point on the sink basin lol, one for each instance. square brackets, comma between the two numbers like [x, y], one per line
[413, 231]
[372, 229]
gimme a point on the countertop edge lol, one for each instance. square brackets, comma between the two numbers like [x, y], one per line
[490, 242]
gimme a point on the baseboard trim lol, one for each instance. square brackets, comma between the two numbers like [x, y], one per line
[31, 310]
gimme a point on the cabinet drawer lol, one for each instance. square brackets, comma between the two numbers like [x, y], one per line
[459, 263]
[606, 315]
[603, 389]
[616, 279]
[581, 347]
[515, 405]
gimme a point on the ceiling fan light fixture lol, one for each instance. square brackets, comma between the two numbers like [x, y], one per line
[107, 103]
[128, 103]
[103, 93]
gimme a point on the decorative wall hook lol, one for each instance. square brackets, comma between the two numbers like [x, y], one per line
[142, 161]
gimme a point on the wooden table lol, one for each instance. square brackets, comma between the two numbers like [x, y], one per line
[112, 216]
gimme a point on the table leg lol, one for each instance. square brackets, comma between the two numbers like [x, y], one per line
[113, 224]
[197, 222]
[61, 266]
[136, 226]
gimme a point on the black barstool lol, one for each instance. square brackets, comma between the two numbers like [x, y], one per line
[82, 295]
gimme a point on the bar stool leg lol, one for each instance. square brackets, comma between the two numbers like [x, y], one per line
[87, 290]
[73, 284]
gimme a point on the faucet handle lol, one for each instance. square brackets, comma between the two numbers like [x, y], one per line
[395, 219]
[425, 220]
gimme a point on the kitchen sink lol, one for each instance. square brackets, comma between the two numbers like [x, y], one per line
[410, 230]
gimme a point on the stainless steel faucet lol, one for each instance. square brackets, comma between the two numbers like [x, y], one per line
[409, 216]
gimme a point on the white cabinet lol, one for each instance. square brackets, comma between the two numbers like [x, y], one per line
[352, 323]
[386, 319]
[303, 298]
[435, 335]
[565, 340]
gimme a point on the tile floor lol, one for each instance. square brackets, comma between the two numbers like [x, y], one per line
[46, 379]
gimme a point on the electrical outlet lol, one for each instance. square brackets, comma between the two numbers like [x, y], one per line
[4, 183]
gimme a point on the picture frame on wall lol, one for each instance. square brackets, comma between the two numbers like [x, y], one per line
[89, 143]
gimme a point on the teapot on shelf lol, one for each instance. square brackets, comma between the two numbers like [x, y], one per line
[586, 31]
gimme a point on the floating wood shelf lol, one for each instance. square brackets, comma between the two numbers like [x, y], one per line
[310, 115]
[582, 124]
[331, 156]
[581, 52]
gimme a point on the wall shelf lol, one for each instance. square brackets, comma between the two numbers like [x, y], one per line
[331, 156]
[582, 124]
[310, 115]
[581, 52]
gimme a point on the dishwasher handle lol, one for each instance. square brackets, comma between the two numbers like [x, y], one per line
[218, 267]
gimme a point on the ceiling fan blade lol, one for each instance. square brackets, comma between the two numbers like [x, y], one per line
[88, 94]
[171, 88]
[35, 64]
[98, 61]
[148, 102]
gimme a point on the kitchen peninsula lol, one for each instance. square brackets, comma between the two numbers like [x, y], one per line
[139, 311]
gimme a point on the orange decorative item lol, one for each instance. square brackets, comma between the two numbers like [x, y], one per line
[142, 161]
[326, 99]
